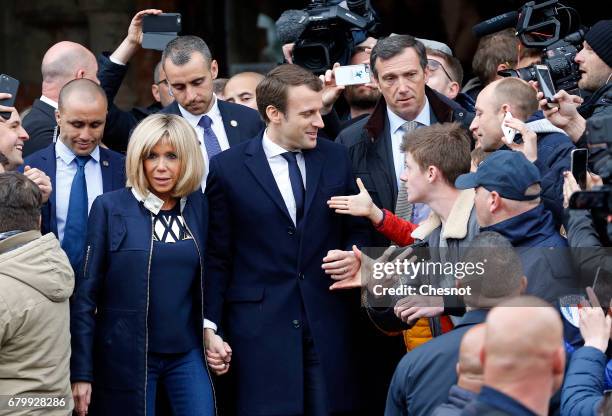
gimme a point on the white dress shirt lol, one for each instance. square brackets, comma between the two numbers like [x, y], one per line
[49, 101]
[66, 168]
[420, 211]
[280, 171]
[217, 128]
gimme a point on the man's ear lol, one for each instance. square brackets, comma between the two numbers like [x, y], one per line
[273, 114]
[454, 89]
[507, 108]
[523, 284]
[214, 69]
[495, 201]
[80, 74]
[58, 118]
[155, 92]
[501, 67]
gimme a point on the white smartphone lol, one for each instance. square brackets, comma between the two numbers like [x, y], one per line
[509, 132]
[352, 74]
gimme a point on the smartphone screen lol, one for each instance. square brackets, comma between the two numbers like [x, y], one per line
[545, 82]
[579, 166]
[352, 74]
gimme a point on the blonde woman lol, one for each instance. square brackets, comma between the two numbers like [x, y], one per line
[137, 314]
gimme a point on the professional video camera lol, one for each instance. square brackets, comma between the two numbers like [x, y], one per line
[332, 32]
[599, 201]
[542, 26]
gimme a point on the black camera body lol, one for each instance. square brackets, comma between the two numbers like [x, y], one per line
[330, 34]
[539, 26]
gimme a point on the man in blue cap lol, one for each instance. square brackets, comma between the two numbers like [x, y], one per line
[508, 202]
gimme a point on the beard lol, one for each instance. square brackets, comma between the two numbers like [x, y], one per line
[363, 99]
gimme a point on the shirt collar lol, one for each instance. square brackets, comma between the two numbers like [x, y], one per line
[153, 203]
[49, 101]
[193, 119]
[65, 153]
[423, 118]
[272, 149]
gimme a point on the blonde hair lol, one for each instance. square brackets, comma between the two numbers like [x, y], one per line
[177, 133]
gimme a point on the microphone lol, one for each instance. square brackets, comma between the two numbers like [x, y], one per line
[290, 25]
[495, 24]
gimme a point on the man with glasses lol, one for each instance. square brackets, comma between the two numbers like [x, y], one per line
[446, 73]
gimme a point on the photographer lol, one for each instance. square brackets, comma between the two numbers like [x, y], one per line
[595, 66]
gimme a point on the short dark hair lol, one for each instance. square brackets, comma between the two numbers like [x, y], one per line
[502, 271]
[20, 202]
[84, 86]
[180, 49]
[445, 146]
[391, 46]
[495, 49]
[272, 90]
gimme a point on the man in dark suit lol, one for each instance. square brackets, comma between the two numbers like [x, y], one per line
[79, 168]
[293, 345]
[62, 63]
[190, 71]
[399, 68]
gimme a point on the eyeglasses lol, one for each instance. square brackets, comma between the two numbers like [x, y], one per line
[433, 65]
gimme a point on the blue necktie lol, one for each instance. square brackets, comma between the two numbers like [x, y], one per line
[75, 231]
[297, 185]
[210, 139]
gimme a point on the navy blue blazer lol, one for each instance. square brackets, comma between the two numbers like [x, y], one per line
[110, 302]
[259, 270]
[40, 124]
[241, 123]
[113, 177]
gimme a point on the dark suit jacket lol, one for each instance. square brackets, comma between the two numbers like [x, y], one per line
[113, 177]
[241, 123]
[424, 376]
[260, 269]
[40, 125]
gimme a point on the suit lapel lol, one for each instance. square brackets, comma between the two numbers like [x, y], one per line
[230, 123]
[106, 170]
[50, 170]
[314, 164]
[257, 163]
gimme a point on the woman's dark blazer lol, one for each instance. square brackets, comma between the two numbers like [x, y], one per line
[110, 305]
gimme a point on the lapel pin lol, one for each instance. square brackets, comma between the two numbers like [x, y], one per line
[234, 123]
[105, 163]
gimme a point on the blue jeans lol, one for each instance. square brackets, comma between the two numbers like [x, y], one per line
[185, 380]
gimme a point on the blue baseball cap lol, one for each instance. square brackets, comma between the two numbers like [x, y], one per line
[507, 172]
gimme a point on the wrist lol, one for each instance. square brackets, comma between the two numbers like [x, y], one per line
[600, 344]
[376, 216]
[575, 128]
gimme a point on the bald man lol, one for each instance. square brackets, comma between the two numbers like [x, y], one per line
[240, 89]
[79, 168]
[62, 63]
[469, 373]
[523, 359]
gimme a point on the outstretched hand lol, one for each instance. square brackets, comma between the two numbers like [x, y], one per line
[359, 205]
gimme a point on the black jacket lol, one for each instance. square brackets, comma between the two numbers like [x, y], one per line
[369, 144]
[596, 106]
[40, 124]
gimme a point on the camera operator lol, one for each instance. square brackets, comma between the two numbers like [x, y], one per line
[595, 65]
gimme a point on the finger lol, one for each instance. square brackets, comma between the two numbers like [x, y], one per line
[228, 350]
[341, 198]
[387, 253]
[333, 255]
[592, 297]
[346, 284]
[336, 265]
[361, 186]
[406, 314]
[357, 252]
[408, 251]
[328, 76]
[5, 95]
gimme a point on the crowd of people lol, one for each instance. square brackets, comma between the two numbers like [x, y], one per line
[219, 251]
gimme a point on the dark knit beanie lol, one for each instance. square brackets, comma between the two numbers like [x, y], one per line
[599, 38]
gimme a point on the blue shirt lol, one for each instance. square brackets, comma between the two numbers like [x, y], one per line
[66, 168]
